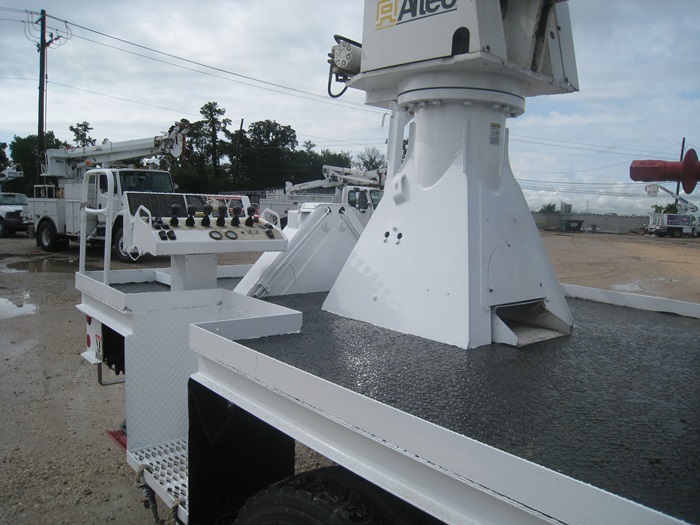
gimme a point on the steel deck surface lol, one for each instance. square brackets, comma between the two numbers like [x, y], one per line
[228, 283]
[616, 404]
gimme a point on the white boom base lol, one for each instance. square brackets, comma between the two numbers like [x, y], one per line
[452, 254]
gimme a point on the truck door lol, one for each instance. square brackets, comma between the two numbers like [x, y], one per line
[103, 200]
[359, 199]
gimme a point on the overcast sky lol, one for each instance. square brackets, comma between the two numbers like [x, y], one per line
[638, 67]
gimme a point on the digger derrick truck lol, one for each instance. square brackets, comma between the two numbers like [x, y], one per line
[359, 189]
[429, 356]
[55, 209]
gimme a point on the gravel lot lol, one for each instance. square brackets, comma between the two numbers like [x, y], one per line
[58, 466]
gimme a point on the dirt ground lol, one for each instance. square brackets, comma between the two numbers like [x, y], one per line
[57, 464]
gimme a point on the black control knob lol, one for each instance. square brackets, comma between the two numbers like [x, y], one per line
[251, 216]
[236, 219]
[175, 211]
[206, 221]
[221, 219]
[191, 210]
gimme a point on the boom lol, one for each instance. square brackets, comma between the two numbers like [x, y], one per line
[335, 177]
[70, 163]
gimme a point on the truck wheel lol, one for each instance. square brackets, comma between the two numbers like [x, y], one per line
[675, 233]
[47, 237]
[4, 232]
[328, 496]
[118, 248]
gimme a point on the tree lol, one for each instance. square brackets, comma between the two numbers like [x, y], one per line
[341, 159]
[263, 156]
[548, 208]
[202, 170]
[371, 159]
[81, 134]
[4, 160]
[212, 125]
[671, 208]
[270, 134]
[268, 156]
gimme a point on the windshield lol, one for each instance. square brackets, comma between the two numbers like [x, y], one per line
[13, 199]
[376, 196]
[143, 180]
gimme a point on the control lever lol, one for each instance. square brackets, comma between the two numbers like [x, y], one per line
[206, 221]
[175, 210]
[236, 220]
[221, 219]
[191, 210]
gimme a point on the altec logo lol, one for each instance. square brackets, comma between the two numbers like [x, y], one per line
[393, 12]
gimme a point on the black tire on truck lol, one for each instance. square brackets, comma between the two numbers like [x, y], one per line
[328, 496]
[118, 248]
[46, 236]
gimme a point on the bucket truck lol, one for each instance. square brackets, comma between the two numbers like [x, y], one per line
[10, 173]
[55, 209]
[359, 189]
[437, 369]
[685, 222]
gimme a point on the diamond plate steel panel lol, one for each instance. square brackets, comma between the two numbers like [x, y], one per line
[158, 363]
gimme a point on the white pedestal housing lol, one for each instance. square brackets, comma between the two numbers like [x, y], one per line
[453, 254]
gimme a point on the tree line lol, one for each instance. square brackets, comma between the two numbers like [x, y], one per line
[218, 158]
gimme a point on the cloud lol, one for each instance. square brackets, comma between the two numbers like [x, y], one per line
[637, 60]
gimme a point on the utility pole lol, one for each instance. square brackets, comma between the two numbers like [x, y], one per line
[678, 184]
[42, 46]
[42, 85]
[238, 152]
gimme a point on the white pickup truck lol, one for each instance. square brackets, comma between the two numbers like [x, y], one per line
[13, 214]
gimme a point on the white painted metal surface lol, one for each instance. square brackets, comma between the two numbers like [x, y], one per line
[321, 237]
[155, 327]
[147, 236]
[637, 301]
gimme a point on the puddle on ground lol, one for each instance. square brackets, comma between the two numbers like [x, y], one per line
[45, 265]
[9, 309]
[628, 287]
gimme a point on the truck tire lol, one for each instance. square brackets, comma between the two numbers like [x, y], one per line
[676, 233]
[4, 230]
[328, 496]
[118, 248]
[47, 238]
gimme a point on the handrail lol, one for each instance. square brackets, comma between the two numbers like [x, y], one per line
[107, 211]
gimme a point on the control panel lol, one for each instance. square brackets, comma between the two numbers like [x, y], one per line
[177, 224]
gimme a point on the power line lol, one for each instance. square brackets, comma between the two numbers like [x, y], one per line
[287, 90]
[120, 98]
[598, 148]
[312, 97]
[632, 184]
